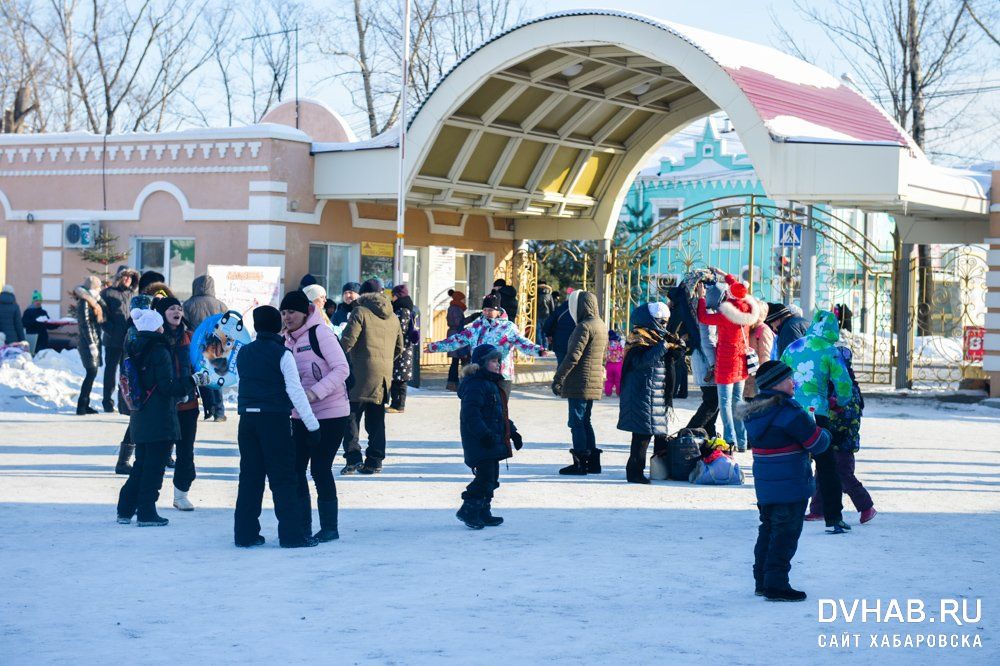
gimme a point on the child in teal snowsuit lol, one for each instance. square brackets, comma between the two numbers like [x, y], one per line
[845, 431]
[818, 365]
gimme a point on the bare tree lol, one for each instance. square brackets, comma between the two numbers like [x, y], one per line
[907, 55]
[365, 42]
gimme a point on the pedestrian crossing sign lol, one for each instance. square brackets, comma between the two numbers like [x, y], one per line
[789, 234]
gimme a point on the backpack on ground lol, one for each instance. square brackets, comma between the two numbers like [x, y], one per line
[130, 385]
[314, 343]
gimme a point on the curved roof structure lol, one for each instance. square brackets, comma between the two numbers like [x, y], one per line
[549, 121]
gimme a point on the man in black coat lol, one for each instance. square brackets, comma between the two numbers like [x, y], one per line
[508, 298]
[558, 327]
[787, 327]
[348, 296]
[116, 321]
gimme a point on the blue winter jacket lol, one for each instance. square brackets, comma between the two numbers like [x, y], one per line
[782, 436]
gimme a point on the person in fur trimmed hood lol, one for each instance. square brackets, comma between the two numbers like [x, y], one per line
[737, 312]
[487, 434]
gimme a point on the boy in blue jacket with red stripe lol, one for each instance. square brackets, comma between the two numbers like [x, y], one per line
[783, 436]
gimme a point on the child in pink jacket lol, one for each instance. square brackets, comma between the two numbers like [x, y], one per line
[323, 370]
[614, 356]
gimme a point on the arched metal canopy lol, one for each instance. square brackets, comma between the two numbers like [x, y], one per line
[548, 122]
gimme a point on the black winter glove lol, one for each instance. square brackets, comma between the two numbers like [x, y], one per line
[515, 437]
[556, 388]
[314, 437]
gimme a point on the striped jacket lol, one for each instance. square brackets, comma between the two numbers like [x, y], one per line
[782, 435]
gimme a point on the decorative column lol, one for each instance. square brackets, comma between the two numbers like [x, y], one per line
[808, 259]
[991, 341]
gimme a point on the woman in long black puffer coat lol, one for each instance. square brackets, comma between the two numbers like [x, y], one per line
[402, 367]
[651, 353]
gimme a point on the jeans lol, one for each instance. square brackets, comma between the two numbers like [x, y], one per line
[374, 414]
[266, 452]
[777, 541]
[848, 481]
[83, 402]
[733, 431]
[142, 488]
[708, 411]
[487, 479]
[113, 358]
[582, 430]
[184, 473]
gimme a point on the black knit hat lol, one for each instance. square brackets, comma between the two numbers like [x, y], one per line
[267, 319]
[296, 301]
[772, 373]
[164, 303]
[491, 301]
[485, 352]
[372, 286]
[776, 311]
[351, 286]
[148, 278]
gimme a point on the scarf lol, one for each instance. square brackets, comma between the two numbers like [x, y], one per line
[642, 338]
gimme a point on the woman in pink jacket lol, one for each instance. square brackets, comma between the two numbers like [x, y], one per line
[323, 370]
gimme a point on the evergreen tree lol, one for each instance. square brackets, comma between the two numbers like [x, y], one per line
[104, 253]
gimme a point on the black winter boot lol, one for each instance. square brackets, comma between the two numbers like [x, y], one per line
[125, 450]
[307, 542]
[488, 518]
[635, 468]
[327, 520]
[594, 461]
[579, 466]
[471, 514]
[787, 594]
[147, 517]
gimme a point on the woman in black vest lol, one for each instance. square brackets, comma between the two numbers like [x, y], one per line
[269, 387]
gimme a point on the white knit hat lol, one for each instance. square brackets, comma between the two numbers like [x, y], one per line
[659, 310]
[146, 320]
[314, 291]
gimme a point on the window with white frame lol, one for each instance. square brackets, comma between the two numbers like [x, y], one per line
[471, 277]
[172, 257]
[667, 215]
[708, 151]
[333, 265]
[727, 230]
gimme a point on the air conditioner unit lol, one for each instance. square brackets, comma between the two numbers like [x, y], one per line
[80, 234]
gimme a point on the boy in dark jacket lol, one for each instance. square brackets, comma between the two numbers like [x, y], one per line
[154, 426]
[269, 387]
[487, 434]
[782, 436]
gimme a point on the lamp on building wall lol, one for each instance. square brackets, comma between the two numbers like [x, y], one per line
[640, 89]
[573, 70]
[29, 218]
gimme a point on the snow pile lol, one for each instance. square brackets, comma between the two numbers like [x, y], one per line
[50, 381]
[927, 349]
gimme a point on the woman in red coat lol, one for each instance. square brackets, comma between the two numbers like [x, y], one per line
[737, 312]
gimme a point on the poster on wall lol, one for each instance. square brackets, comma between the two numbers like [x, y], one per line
[376, 261]
[242, 288]
[440, 276]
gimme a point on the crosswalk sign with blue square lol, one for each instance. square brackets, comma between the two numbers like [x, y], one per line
[789, 234]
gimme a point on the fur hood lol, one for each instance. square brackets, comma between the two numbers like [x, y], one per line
[744, 312]
[751, 409]
[470, 369]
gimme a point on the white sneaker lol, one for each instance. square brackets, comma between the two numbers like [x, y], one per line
[181, 501]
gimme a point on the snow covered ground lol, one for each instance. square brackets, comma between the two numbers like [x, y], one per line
[584, 569]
